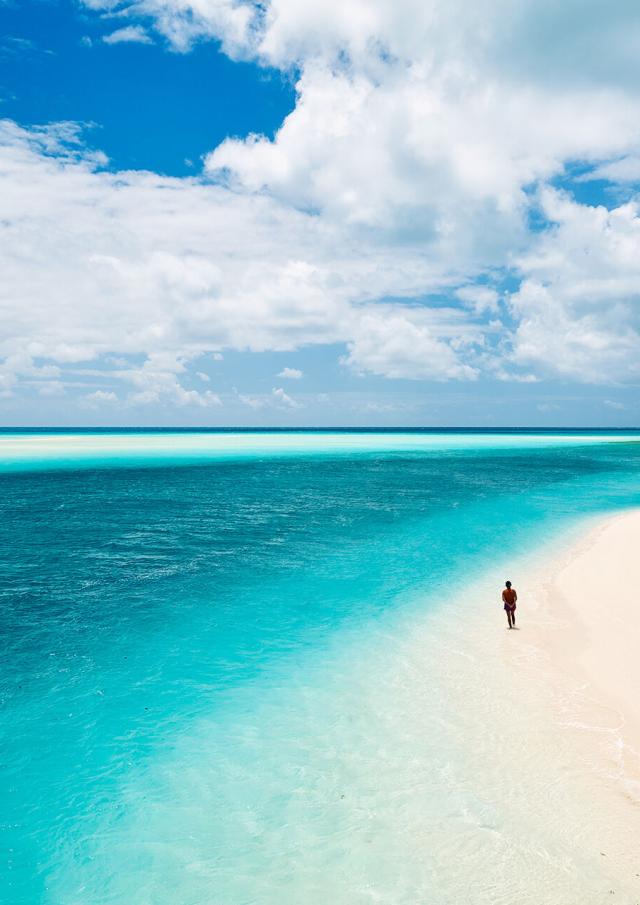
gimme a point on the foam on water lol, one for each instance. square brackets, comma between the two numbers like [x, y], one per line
[251, 680]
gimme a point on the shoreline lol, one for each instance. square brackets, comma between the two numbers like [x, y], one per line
[575, 671]
[547, 720]
[438, 758]
[585, 613]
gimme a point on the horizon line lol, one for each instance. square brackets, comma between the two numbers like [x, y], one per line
[310, 427]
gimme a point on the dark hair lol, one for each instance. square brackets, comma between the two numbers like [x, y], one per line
[508, 584]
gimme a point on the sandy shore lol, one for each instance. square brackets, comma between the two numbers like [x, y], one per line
[573, 671]
[586, 614]
[548, 719]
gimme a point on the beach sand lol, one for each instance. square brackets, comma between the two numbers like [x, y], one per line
[587, 614]
[600, 585]
[548, 720]
[571, 670]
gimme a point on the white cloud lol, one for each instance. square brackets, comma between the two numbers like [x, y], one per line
[580, 42]
[424, 118]
[278, 398]
[407, 170]
[290, 373]
[283, 399]
[578, 307]
[400, 346]
[130, 34]
[422, 159]
[416, 117]
[204, 377]
[478, 298]
[157, 381]
[254, 402]
[133, 264]
[183, 22]
[625, 170]
[97, 399]
[18, 364]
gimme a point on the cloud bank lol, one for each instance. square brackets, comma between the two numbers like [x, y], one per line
[416, 207]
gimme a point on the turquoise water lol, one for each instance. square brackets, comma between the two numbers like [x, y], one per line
[192, 623]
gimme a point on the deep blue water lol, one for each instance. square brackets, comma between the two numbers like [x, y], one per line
[141, 596]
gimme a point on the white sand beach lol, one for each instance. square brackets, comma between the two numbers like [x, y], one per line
[548, 720]
[516, 783]
[587, 614]
[565, 727]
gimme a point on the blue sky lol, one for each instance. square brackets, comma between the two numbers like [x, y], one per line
[237, 214]
[149, 108]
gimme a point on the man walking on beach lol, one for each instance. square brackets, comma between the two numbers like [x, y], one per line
[509, 598]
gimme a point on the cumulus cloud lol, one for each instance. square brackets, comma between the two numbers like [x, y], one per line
[395, 345]
[428, 122]
[382, 215]
[254, 402]
[98, 399]
[625, 170]
[98, 264]
[578, 306]
[157, 381]
[284, 399]
[102, 396]
[479, 298]
[183, 22]
[130, 34]
[277, 399]
[290, 373]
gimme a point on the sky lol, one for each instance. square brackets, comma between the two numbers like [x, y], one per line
[294, 212]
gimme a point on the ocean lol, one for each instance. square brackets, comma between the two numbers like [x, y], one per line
[211, 688]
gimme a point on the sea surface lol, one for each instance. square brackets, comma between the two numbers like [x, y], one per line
[205, 678]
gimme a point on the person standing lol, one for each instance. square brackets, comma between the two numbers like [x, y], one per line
[509, 597]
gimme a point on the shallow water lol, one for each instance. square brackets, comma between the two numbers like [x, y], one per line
[211, 687]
